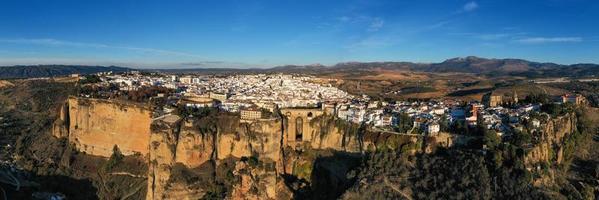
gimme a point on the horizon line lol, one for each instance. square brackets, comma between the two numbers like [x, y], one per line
[240, 65]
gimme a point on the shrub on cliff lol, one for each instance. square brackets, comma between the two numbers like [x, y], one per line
[115, 158]
[90, 79]
[405, 123]
[215, 191]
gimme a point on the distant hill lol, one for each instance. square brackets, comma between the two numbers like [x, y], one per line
[34, 71]
[471, 64]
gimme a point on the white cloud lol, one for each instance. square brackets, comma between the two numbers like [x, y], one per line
[10, 61]
[494, 36]
[470, 6]
[376, 24]
[437, 25]
[491, 36]
[543, 40]
[54, 42]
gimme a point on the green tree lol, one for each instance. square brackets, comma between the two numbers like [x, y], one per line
[521, 138]
[444, 123]
[405, 123]
[491, 139]
[115, 158]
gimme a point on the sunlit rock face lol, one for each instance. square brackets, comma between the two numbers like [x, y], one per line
[551, 140]
[172, 143]
[163, 141]
[193, 147]
[95, 126]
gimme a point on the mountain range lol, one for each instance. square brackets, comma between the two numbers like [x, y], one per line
[34, 71]
[470, 64]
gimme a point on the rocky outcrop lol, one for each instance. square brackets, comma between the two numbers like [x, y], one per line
[331, 136]
[163, 141]
[170, 142]
[255, 182]
[95, 126]
[194, 148]
[551, 141]
[176, 141]
[60, 128]
[313, 128]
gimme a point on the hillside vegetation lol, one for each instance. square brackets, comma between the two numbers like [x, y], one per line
[34, 71]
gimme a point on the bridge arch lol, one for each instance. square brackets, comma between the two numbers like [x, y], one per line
[299, 129]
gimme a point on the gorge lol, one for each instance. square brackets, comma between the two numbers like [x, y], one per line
[260, 154]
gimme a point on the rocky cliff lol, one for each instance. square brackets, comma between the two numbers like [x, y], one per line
[187, 156]
[95, 126]
[193, 144]
[163, 141]
[551, 140]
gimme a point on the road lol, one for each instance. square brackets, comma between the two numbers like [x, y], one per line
[389, 184]
[393, 132]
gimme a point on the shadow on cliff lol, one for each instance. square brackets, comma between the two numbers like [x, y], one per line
[329, 178]
[43, 187]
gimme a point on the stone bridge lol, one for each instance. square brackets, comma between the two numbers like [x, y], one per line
[298, 128]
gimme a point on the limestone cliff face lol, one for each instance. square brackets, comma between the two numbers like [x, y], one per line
[259, 138]
[552, 138]
[334, 137]
[95, 126]
[176, 141]
[255, 182]
[262, 138]
[193, 147]
[313, 128]
[60, 128]
[163, 141]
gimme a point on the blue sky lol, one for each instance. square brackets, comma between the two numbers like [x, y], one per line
[246, 33]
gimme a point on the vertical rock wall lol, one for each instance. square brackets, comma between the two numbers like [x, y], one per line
[163, 145]
[95, 126]
[552, 139]
[193, 148]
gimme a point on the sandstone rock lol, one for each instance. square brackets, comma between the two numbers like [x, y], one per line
[256, 182]
[193, 147]
[95, 126]
[163, 141]
[552, 139]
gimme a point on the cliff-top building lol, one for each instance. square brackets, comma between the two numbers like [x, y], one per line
[218, 96]
[492, 100]
[575, 99]
[251, 114]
